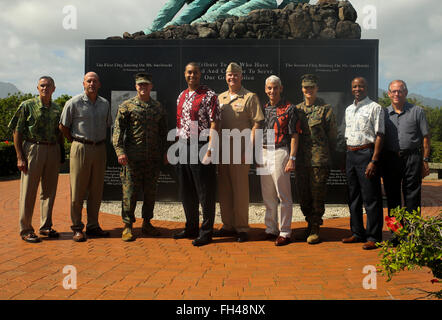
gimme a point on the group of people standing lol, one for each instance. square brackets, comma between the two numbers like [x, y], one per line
[39, 125]
[295, 138]
[298, 138]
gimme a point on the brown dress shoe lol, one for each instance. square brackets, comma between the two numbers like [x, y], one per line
[369, 245]
[79, 236]
[31, 238]
[352, 239]
[282, 241]
[50, 233]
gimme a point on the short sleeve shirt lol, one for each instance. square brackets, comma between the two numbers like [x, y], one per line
[241, 111]
[405, 131]
[87, 120]
[283, 120]
[196, 110]
[363, 121]
[37, 122]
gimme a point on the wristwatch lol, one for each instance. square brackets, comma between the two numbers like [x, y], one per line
[293, 158]
[426, 159]
[375, 162]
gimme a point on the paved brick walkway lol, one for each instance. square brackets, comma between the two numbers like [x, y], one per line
[164, 268]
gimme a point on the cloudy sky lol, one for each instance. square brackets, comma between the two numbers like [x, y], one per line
[34, 40]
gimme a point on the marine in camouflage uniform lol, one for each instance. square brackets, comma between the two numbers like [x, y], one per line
[139, 140]
[316, 142]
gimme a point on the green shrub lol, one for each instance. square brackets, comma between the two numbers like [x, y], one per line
[8, 106]
[419, 244]
[436, 151]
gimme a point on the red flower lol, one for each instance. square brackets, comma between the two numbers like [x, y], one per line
[433, 281]
[392, 224]
[7, 142]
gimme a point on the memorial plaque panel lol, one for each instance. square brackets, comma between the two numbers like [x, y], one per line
[336, 62]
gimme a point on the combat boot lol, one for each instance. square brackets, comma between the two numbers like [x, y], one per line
[314, 234]
[127, 234]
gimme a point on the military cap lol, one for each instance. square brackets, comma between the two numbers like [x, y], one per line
[234, 68]
[309, 80]
[143, 78]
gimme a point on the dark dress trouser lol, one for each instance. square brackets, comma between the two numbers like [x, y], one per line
[197, 184]
[364, 191]
[402, 174]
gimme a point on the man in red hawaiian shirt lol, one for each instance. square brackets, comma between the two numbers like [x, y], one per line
[280, 144]
[198, 112]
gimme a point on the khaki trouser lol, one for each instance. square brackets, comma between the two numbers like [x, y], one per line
[87, 168]
[43, 167]
[276, 185]
[233, 192]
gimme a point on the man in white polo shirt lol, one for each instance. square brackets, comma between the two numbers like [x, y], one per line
[364, 133]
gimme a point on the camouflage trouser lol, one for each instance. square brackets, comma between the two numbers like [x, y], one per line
[311, 190]
[136, 176]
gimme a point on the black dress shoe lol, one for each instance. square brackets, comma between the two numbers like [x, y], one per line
[243, 237]
[97, 232]
[224, 233]
[184, 234]
[201, 241]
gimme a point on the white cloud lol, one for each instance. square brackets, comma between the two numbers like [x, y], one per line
[435, 24]
[34, 42]
[410, 34]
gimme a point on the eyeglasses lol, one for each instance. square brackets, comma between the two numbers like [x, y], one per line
[398, 92]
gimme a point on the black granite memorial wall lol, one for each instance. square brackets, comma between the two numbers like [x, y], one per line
[336, 62]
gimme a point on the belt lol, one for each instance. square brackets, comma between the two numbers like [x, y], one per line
[406, 152]
[87, 141]
[273, 146]
[48, 143]
[357, 148]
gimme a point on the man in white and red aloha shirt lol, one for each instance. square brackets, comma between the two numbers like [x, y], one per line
[197, 111]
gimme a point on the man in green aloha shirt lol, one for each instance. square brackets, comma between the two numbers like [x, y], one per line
[37, 144]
